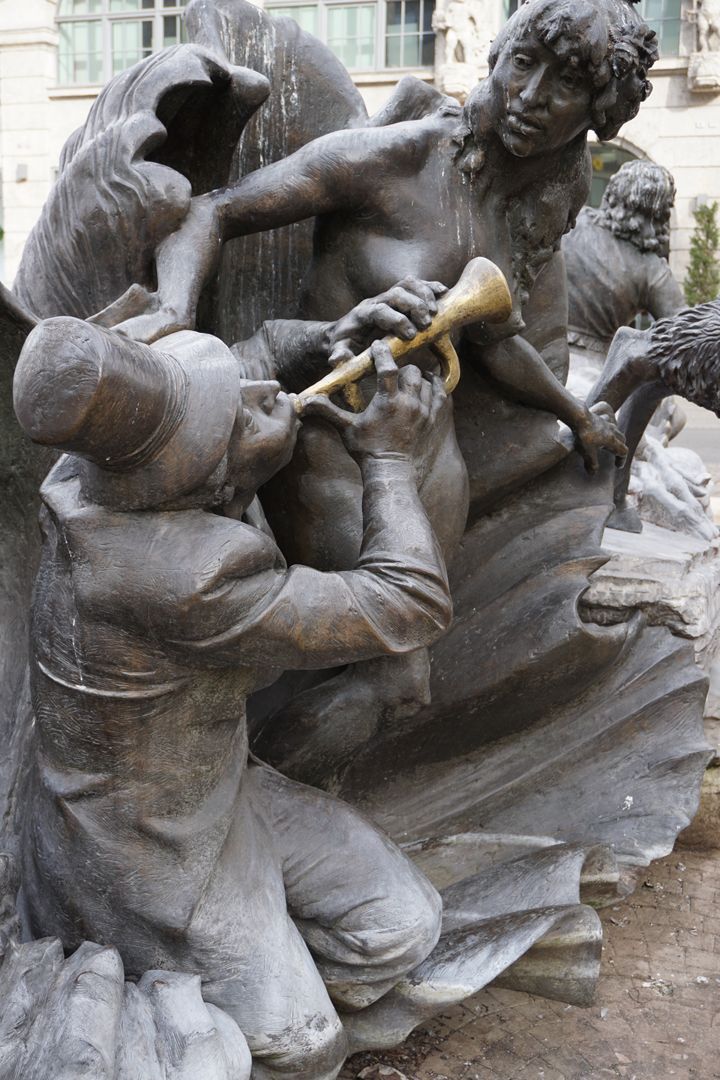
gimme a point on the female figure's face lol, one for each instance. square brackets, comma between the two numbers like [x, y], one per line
[539, 101]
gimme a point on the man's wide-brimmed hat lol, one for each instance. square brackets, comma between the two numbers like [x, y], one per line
[152, 421]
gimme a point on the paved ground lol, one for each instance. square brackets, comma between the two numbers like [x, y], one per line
[657, 1014]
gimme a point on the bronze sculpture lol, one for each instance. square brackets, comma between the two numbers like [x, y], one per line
[455, 155]
[629, 234]
[617, 268]
[163, 592]
[159, 651]
[150, 606]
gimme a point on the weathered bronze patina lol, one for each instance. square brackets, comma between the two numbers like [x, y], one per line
[388, 603]
[480, 295]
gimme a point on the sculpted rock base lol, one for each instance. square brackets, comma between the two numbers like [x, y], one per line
[527, 756]
[673, 578]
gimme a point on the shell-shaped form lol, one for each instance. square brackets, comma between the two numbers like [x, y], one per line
[127, 176]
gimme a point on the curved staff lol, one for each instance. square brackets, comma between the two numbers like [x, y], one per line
[481, 295]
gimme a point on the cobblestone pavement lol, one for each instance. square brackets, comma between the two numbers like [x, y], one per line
[656, 1016]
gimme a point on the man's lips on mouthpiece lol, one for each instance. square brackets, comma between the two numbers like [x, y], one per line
[519, 122]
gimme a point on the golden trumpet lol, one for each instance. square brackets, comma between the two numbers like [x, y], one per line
[480, 295]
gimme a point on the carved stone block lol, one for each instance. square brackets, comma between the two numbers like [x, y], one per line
[704, 73]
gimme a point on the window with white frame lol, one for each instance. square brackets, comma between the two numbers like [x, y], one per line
[99, 38]
[369, 36]
[665, 18]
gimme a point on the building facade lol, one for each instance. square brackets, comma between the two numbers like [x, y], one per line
[56, 54]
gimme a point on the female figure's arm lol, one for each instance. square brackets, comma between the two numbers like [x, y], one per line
[329, 174]
[520, 366]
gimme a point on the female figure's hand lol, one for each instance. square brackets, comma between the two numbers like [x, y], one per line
[402, 310]
[598, 430]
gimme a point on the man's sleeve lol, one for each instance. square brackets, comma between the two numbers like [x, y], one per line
[664, 297]
[396, 598]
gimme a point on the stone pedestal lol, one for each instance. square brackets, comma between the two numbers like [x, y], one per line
[704, 72]
[458, 80]
[465, 30]
[675, 580]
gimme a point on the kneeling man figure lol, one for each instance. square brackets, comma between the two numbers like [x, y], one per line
[155, 615]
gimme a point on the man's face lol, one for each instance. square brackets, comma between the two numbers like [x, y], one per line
[661, 227]
[651, 232]
[643, 226]
[539, 101]
[647, 229]
[264, 435]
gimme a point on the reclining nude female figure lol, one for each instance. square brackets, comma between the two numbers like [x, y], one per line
[503, 177]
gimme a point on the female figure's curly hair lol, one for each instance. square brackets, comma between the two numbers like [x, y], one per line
[607, 39]
[613, 47]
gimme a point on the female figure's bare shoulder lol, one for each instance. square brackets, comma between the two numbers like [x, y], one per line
[395, 144]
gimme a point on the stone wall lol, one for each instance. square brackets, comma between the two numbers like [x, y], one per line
[28, 51]
[676, 127]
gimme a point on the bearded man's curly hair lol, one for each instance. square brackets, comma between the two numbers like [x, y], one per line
[640, 193]
[605, 39]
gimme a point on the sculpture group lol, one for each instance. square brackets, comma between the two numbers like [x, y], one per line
[617, 268]
[318, 737]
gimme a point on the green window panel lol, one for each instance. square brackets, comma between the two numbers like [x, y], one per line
[370, 36]
[92, 50]
[665, 18]
[80, 54]
[306, 15]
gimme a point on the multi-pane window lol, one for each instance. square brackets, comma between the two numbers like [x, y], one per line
[409, 39]
[606, 160]
[80, 52]
[369, 36]
[99, 38]
[350, 33]
[665, 18]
